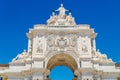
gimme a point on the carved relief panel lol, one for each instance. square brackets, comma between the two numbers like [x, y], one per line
[61, 42]
[51, 40]
[58, 42]
[39, 46]
[84, 45]
[73, 40]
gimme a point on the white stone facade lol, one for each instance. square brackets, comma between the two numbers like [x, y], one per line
[61, 42]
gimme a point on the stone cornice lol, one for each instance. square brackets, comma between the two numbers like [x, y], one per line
[73, 30]
[17, 63]
[97, 72]
[39, 57]
[38, 70]
[28, 61]
[102, 62]
[18, 74]
[86, 70]
[85, 57]
[27, 72]
[110, 73]
[4, 65]
[107, 63]
[63, 31]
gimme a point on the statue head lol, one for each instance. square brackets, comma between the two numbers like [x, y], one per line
[61, 5]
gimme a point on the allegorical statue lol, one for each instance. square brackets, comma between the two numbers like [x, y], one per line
[61, 10]
[62, 18]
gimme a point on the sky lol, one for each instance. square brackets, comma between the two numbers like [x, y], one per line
[61, 73]
[17, 16]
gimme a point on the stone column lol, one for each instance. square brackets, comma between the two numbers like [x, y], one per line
[29, 46]
[46, 73]
[77, 75]
[38, 76]
[28, 77]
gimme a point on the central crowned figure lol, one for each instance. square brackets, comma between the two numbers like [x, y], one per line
[61, 10]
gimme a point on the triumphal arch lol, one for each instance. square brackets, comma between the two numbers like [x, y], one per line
[61, 42]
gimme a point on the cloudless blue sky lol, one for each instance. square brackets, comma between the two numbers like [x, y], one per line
[17, 16]
[61, 73]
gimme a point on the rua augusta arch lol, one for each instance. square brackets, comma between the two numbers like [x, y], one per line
[61, 42]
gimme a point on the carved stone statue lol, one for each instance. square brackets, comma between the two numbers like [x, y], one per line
[52, 19]
[39, 48]
[94, 52]
[61, 10]
[50, 41]
[62, 18]
[84, 49]
[70, 19]
[20, 57]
